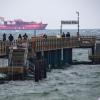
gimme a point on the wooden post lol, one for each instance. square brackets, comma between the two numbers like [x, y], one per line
[40, 69]
[93, 60]
[44, 69]
[1, 47]
[36, 73]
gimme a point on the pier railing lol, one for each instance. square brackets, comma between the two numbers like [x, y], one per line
[87, 41]
[6, 45]
[50, 43]
[3, 46]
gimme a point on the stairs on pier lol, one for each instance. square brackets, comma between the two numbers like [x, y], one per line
[18, 57]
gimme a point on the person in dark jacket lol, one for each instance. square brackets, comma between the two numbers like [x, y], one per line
[11, 38]
[45, 36]
[4, 37]
[19, 37]
[25, 36]
[67, 34]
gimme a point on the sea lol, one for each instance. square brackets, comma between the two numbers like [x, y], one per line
[74, 82]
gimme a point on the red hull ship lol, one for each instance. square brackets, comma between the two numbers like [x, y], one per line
[20, 25]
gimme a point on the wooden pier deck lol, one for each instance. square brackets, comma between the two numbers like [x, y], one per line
[17, 69]
[16, 53]
[51, 43]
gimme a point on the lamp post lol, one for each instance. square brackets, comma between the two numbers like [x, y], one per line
[78, 20]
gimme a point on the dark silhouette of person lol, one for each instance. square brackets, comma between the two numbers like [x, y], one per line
[63, 34]
[4, 37]
[68, 34]
[11, 38]
[20, 37]
[45, 36]
[25, 36]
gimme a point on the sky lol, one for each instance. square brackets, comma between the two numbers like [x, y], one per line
[53, 11]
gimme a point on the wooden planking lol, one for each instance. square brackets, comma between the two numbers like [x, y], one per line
[13, 69]
[42, 44]
[50, 43]
[18, 57]
[2, 48]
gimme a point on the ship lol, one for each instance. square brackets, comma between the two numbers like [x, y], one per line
[19, 24]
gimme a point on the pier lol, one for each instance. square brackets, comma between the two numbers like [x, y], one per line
[39, 54]
[34, 57]
[58, 51]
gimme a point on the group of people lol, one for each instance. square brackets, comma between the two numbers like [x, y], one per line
[11, 38]
[65, 35]
[24, 37]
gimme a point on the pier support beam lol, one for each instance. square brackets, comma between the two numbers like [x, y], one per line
[93, 60]
[47, 59]
[67, 55]
[93, 50]
[56, 58]
[51, 58]
[38, 55]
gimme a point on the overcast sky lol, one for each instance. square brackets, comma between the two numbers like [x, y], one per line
[53, 11]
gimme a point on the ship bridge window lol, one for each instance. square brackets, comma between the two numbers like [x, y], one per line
[19, 23]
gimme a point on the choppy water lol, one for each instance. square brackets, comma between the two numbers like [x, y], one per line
[81, 82]
[77, 82]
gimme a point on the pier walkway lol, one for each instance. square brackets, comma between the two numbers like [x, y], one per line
[41, 53]
[51, 43]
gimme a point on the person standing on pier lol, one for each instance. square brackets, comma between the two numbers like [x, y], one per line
[19, 37]
[67, 34]
[11, 38]
[45, 36]
[25, 36]
[4, 37]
